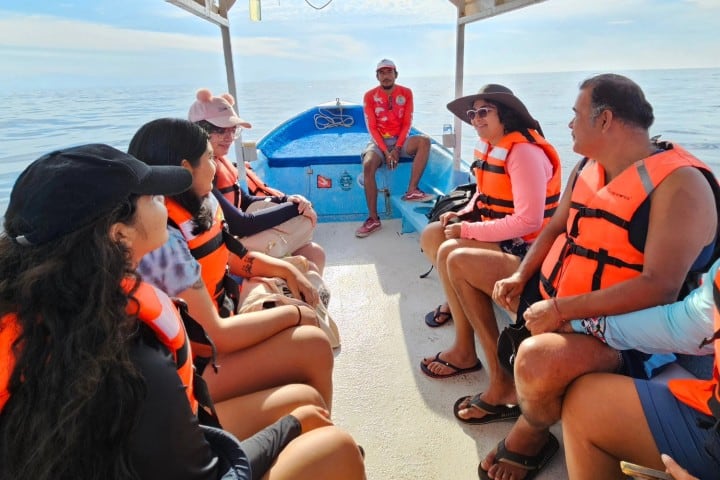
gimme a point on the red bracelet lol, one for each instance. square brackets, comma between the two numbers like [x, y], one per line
[299, 315]
[557, 309]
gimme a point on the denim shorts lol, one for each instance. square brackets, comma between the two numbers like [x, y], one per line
[674, 426]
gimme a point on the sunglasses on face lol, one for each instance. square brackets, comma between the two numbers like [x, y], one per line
[481, 112]
[234, 132]
[220, 131]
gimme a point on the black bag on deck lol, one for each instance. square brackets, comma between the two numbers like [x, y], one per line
[452, 202]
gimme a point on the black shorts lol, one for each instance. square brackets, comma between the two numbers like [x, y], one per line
[515, 246]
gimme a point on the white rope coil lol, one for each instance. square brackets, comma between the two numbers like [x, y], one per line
[330, 119]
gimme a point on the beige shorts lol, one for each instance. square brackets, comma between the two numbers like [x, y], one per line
[282, 240]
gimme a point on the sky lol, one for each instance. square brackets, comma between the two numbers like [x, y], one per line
[81, 43]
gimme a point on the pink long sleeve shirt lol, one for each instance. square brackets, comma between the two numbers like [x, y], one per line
[530, 170]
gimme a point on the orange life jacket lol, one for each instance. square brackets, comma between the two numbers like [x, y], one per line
[493, 182]
[703, 395]
[226, 181]
[596, 250]
[208, 247]
[153, 308]
[156, 310]
[9, 332]
[257, 187]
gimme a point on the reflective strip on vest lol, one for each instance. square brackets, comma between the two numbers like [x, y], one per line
[226, 180]
[594, 252]
[495, 198]
[151, 306]
[154, 308]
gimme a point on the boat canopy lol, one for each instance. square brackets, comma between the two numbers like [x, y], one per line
[468, 11]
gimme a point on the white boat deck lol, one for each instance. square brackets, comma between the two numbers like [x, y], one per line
[402, 418]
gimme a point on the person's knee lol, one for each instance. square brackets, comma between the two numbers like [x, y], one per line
[444, 251]
[304, 394]
[370, 163]
[533, 365]
[422, 144]
[456, 262]
[316, 346]
[343, 448]
[431, 238]
[453, 265]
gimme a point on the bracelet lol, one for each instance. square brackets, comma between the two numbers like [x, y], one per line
[557, 309]
[299, 315]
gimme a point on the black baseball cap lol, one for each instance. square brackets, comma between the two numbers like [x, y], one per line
[67, 189]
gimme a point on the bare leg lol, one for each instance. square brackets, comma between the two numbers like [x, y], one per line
[462, 353]
[432, 236]
[323, 453]
[246, 415]
[294, 355]
[371, 162]
[546, 364]
[315, 254]
[603, 423]
[419, 147]
[430, 240]
[473, 272]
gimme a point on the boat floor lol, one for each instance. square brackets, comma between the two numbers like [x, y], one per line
[402, 418]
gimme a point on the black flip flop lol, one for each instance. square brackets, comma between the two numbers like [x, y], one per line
[432, 317]
[533, 465]
[457, 370]
[493, 413]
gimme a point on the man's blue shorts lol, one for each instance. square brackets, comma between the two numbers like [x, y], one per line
[674, 426]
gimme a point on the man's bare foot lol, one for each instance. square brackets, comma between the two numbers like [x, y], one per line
[526, 445]
[487, 407]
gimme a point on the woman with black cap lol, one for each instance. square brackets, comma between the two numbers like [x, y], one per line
[518, 186]
[94, 377]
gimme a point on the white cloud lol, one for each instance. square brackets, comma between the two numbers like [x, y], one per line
[706, 4]
[349, 36]
[45, 32]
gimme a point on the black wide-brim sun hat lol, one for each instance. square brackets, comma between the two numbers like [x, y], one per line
[67, 189]
[494, 93]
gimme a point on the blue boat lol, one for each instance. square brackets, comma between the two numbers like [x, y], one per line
[317, 154]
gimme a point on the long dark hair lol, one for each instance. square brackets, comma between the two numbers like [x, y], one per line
[169, 141]
[74, 393]
[511, 120]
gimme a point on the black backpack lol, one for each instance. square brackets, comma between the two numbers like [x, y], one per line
[452, 202]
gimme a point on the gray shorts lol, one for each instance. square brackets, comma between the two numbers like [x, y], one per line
[389, 142]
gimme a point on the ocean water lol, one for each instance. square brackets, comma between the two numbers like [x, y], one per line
[34, 122]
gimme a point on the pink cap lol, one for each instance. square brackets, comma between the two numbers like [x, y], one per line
[216, 110]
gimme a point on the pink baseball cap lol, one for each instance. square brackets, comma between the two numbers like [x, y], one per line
[216, 110]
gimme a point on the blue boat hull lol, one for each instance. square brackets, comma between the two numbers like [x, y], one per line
[317, 154]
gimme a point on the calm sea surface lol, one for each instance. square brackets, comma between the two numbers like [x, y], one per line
[686, 103]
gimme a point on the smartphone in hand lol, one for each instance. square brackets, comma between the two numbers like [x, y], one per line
[643, 473]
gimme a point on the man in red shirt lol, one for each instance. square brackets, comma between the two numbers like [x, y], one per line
[388, 112]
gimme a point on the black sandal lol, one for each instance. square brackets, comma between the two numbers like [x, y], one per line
[431, 319]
